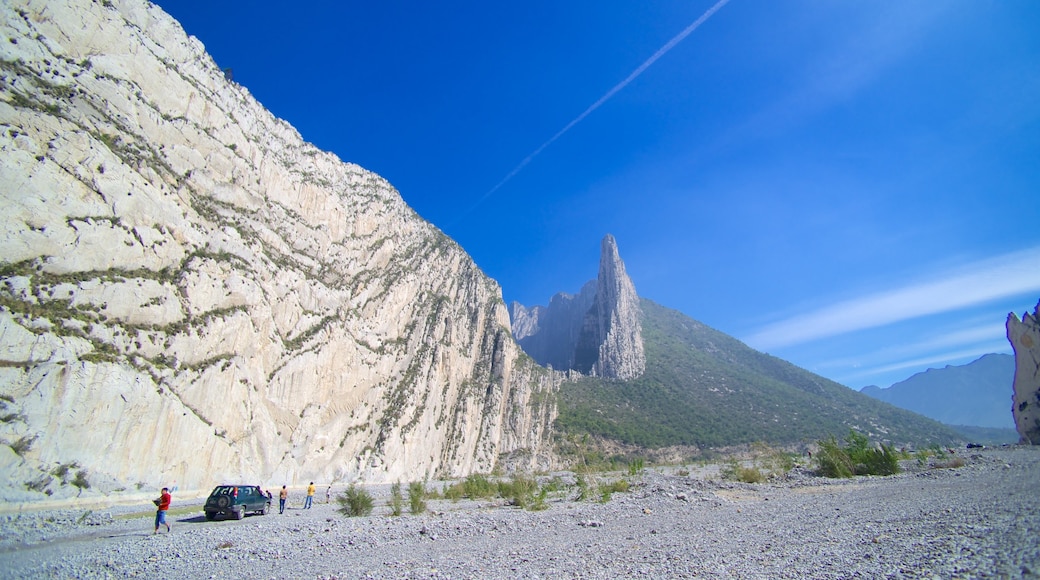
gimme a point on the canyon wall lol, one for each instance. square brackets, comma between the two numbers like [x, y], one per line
[191, 293]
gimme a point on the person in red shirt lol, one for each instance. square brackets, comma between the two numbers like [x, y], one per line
[163, 503]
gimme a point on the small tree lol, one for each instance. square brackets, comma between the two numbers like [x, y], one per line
[355, 502]
[417, 497]
[396, 500]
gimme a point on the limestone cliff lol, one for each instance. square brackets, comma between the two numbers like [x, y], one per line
[549, 334]
[1024, 335]
[596, 332]
[191, 293]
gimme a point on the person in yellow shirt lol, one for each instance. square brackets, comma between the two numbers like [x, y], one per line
[310, 497]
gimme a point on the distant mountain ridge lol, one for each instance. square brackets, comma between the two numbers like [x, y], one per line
[976, 394]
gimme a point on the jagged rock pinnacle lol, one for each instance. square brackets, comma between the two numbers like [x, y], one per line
[596, 332]
[1024, 336]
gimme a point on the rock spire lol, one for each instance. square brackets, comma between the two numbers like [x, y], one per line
[1024, 335]
[596, 332]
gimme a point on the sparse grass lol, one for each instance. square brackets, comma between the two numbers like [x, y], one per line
[735, 471]
[355, 502]
[767, 462]
[950, 464]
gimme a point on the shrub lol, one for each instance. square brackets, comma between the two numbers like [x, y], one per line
[831, 459]
[22, 445]
[396, 499]
[355, 502]
[618, 486]
[417, 497]
[453, 492]
[520, 491]
[62, 471]
[881, 460]
[39, 484]
[856, 458]
[736, 472]
[635, 466]
[586, 489]
[477, 486]
[537, 502]
[80, 480]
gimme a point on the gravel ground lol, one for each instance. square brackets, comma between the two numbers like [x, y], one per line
[980, 520]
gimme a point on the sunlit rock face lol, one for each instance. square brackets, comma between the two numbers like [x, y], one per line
[191, 293]
[1024, 335]
[597, 332]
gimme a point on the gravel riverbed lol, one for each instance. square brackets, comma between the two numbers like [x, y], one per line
[976, 521]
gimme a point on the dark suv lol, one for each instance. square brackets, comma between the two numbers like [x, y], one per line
[236, 500]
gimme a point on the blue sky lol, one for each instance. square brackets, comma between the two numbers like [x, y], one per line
[851, 186]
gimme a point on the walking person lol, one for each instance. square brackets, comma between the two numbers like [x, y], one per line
[328, 495]
[310, 497]
[282, 496]
[163, 505]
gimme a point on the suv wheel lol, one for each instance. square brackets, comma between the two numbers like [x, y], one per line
[239, 512]
[211, 515]
[265, 509]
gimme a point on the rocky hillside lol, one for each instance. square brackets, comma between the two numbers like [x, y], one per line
[705, 389]
[650, 378]
[191, 293]
[976, 394]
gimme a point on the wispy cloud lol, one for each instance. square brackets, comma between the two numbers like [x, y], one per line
[990, 334]
[1000, 277]
[613, 91]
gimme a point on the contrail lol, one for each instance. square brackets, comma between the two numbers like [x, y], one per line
[660, 52]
